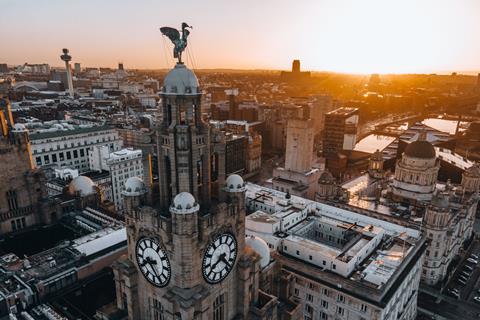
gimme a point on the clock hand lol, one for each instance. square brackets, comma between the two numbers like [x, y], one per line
[226, 262]
[222, 256]
[152, 263]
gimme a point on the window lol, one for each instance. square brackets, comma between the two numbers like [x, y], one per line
[219, 307]
[38, 160]
[157, 310]
[334, 266]
[46, 159]
[308, 309]
[340, 311]
[296, 292]
[341, 298]
[298, 253]
[310, 257]
[75, 154]
[325, 292]
[61, 156]
[324, 304]
[363, 307]
[69, 155]
[309, 297]
[82, 152]
[54, 158]
[12, 200]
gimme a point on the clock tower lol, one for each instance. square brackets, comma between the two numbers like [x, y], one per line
[187, 257]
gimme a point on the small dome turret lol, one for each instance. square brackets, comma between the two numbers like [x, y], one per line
[184, 203]
[134, 187]
[234, 183]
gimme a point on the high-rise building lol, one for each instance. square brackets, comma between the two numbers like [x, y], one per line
[188, 258]
[122, 165]
[298, 177]
[63, 145]
[77, 68]
[340, 131]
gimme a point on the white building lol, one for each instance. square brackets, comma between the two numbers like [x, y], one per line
[121, 164]
[63, 145]
[344, 265]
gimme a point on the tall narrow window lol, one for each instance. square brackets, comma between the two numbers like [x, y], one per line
[157, 310]
[12, 200]
[219, 307]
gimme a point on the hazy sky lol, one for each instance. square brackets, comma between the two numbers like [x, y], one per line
[335, 35]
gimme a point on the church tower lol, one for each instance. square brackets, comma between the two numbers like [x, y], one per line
[187, 257]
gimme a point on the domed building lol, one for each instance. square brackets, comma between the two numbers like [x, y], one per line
[327, 186]
[471, 178]
[416, 172]
[375, 165]
[82, 186]
[85, 191]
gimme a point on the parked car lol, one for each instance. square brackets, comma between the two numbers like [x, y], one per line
[477, 299]
[462, 281]
[474, 256]
[466, 273]
[468, 267]
[471, 260]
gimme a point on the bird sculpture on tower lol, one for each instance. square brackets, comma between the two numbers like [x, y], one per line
[180, 42]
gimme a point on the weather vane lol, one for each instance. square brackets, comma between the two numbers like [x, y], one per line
[180, 43]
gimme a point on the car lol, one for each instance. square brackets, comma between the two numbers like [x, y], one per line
[468, 267]
[477, 298]
[471, 260]
[461, 281]
[474, 256]
[466, 274]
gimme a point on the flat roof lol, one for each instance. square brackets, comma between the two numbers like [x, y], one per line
[61, 133]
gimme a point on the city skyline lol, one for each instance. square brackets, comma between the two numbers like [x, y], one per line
[340, 36]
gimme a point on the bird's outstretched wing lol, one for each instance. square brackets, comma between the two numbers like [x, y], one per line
[171, 33]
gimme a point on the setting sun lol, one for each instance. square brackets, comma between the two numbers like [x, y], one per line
[342, 35]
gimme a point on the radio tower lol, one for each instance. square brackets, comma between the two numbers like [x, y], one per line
[67, 58]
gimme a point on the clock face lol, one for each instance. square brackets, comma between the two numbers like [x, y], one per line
[219, 258]
[153, 262]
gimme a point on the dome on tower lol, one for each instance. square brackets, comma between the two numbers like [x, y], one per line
[377, 156]
[82, 185]
[180, 80]
[184, 202]
[420, 149]
[234, 183]
[261, 247]
[326, 178]
[134, 187]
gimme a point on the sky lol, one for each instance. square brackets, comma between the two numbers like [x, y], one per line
[353, 36]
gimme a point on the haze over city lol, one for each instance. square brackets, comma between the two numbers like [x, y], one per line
[371, 36]
[248, 160]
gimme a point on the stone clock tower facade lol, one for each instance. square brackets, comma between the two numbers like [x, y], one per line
[187, 257]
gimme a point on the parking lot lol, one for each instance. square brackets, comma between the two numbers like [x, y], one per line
[465, 283]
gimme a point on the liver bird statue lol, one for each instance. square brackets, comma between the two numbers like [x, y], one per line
[180, 43]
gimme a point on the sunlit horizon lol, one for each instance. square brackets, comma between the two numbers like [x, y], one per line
[343, 36]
